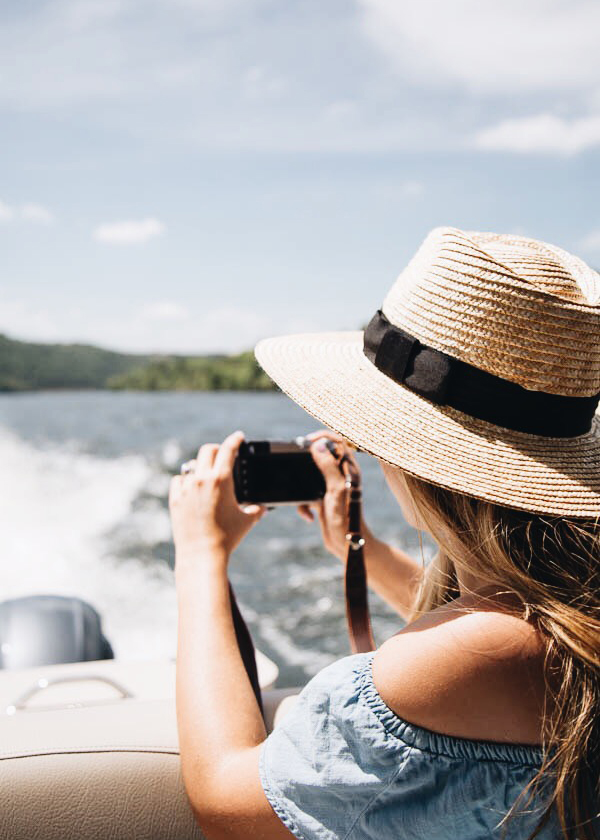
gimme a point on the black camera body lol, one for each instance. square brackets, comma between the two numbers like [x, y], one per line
[272, 472]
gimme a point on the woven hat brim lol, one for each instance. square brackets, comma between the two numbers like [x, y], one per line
[331, 378]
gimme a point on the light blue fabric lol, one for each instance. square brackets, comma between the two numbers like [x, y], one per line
[343, 766]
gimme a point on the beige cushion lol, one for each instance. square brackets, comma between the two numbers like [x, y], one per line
[104, 770]
[109, 771]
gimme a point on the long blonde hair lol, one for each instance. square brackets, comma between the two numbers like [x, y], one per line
[552, 563]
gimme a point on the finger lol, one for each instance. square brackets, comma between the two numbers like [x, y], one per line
[187, 467]
[342, 445]
[328, 465]
[335, 436]
[228, 452]
[206, 457]
[306, 513]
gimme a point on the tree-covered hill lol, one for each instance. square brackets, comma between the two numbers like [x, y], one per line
[197, 373]
[25, 366]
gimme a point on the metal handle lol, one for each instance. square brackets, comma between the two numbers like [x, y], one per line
[20, 704]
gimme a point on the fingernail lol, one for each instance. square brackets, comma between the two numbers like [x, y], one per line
[322, 445]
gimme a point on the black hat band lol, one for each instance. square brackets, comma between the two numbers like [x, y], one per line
[444, 380]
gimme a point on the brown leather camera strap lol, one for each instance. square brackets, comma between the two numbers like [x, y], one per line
[357, 604]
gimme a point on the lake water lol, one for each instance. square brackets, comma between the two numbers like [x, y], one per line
[83, 484]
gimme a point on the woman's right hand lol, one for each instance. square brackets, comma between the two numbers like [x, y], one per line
[332, 508]
[392, 573]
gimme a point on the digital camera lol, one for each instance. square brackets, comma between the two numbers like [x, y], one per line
[272, 472]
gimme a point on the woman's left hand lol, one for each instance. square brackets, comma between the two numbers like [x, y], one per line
[205, 514]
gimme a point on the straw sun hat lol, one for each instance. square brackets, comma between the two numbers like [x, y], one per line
[481, 373]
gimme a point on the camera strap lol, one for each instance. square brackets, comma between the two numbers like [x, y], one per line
[246, 647]
[357, 604]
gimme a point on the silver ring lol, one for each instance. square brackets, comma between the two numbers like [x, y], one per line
[187, 467]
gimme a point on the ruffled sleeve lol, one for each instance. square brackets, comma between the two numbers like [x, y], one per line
[342, 766]
[330, 758]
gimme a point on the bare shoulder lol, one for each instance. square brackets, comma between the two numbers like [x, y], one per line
[472, 669]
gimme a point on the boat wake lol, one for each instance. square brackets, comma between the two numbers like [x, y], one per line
[60, 511]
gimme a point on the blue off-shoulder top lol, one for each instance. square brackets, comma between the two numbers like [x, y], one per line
[342, 766]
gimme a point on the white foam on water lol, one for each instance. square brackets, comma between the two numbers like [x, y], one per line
[171, 453]
[58, 508]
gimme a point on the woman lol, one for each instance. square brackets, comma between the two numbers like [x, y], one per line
[476, 388]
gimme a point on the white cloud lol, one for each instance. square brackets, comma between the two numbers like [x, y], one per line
[28, 212]
[544, 133]
[483, 45]
[164, 310]
[128, 232]
[36, 213]
[591, 242]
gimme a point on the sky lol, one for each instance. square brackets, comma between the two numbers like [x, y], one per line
[193, 175]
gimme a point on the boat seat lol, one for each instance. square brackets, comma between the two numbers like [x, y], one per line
[103, 767]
